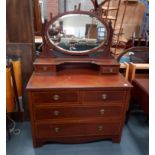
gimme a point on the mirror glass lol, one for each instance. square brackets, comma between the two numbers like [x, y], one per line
[77, 33]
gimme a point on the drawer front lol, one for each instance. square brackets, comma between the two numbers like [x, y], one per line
[104, 96]
[75, 129]
[54, 97]
[109, 70]
[44, 68]
[79, 112]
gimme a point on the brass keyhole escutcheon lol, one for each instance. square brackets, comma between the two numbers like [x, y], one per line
[56, 97]
[56, 129]
[104, 96]
[102, 111]
[100, 128]
[56, 113]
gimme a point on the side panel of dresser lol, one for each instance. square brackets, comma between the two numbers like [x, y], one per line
[35, 143]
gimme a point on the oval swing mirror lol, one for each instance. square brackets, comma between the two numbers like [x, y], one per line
[77, 33]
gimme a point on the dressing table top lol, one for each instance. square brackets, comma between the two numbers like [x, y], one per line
[77, 79]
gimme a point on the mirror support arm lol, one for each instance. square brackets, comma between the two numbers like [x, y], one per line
[95, 3]
[111, 34]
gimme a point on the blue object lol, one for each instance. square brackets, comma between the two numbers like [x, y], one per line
[125, 59]
[145, 24]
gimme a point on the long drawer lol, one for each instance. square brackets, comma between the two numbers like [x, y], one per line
[57, 112]
[103, 96]
[76, 129]
[54, 97]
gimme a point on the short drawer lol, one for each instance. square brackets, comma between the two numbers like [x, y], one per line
[76, 129]
[54, 97]
[109, 70]
[77, 112]
[104, 96]
[44, 68]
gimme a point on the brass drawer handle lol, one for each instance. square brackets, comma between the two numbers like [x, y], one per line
[100, 128]
[56, 129]
[56, 113]
[111, 70]
[101, 111]
[56, 97]
[104, 96]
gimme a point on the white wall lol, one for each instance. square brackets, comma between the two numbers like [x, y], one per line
[76, 25]
[44, 9]
[85, 4]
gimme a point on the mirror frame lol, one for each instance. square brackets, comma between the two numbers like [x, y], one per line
[102, 46]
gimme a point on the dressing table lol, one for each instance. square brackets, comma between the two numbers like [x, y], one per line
[76, 93]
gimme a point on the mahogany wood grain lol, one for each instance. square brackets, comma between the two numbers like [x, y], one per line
[104, 96]
[77, 79]
[60, 112]
[58, 61]
[141, 88]
[77, 94]
[105, 66]
[55, 97]
[45, 69]
[84, 101]
[77, 139]
[109, 70]
[89, 112]
[35, 143]
[76, 129]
